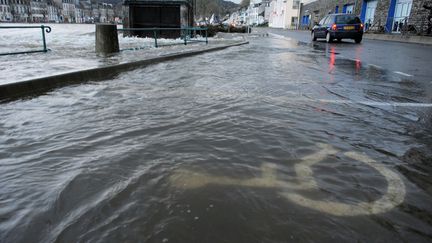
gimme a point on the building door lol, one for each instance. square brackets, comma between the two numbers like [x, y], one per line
[370, 13]
[402, 12]
[348, 8]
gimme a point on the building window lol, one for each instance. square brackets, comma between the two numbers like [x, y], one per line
[296, 4]
[294, 21]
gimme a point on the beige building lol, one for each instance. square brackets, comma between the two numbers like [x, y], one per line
[284, 14]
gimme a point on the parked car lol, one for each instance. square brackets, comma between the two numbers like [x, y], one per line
[338, 26]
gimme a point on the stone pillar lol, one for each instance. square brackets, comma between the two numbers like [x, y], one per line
[106, 39]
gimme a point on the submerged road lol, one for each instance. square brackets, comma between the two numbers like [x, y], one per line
[280, 140]
[404, 59]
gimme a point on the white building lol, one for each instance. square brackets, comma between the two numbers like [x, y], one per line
[79, 16]
[38, 10]
[284, 14]
[53, 13]
[68, 11]
[255, 13]
[103, 13]
[233, 19]
[21, 10]
[5, 11]
[267, 10]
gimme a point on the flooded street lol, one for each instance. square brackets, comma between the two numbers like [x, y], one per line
[72, 48]
[275, 141]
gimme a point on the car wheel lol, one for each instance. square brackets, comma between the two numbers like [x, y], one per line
[328, 37]
[358, 40]
[313, 36]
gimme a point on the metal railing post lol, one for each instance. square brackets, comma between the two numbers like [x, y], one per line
[43, 38]
[185, 32]
[155, 37]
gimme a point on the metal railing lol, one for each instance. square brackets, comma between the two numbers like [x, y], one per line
[408, 26]
[43, 28]
[377, 26]
[187, 34]
[418, 25]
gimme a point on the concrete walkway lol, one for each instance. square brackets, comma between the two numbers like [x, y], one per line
[11, 91]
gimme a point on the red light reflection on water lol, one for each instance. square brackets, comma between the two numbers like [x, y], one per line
[357, 66]
[332, 59]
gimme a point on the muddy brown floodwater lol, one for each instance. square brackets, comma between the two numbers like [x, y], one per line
[275, 141]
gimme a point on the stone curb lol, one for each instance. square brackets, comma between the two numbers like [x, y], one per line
[34, 87]
[414, 39]
[425, 40]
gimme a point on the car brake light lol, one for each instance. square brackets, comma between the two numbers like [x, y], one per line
[361, 26]
[334, 27]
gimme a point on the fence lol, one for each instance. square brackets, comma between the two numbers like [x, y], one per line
[187, 34]
[418, 25]
[43, 28]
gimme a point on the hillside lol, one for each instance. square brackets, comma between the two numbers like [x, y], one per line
[205, 8]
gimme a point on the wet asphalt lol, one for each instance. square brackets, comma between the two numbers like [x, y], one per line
[405, 59]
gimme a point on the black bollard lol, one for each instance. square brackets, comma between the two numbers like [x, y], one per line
[106, 38]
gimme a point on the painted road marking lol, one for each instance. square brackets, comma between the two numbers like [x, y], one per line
[375, 66]
[394, 195]
[403, 74]
[278, 36]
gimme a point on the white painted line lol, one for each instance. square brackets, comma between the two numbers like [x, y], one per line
[375, 66]
[276, 35]
[403, 74]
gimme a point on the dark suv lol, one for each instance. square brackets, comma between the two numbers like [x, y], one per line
[338, 26]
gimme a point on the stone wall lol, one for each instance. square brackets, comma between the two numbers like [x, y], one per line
[380, 18]
[419, 16]
[417, 22]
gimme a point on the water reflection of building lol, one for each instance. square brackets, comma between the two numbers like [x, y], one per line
[378, 15]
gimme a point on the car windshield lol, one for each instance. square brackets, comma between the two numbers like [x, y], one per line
[347, 19]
